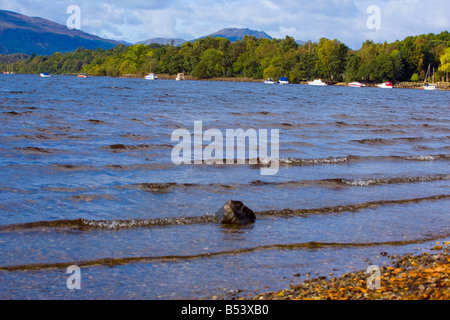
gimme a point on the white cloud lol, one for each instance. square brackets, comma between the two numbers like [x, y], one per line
[135, 20]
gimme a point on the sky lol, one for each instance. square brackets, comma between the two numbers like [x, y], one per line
[350, 21]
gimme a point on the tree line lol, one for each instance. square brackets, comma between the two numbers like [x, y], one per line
[331, 60]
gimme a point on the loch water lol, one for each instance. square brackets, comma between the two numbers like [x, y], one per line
[87, 179]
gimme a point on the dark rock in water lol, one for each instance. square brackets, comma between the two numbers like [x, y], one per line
[234, 212]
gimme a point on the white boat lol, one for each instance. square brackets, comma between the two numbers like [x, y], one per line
[283, 80]
[356, 85]
[430, 86]
[269, 81]
[386, 85]
[44, 75]
[180, 77]
[317, 83]
[151, 76]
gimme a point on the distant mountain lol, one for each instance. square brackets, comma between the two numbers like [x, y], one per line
[163, 41]
[23, 34]
[234, 34]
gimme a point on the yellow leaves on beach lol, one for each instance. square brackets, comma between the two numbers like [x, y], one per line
[424, 277]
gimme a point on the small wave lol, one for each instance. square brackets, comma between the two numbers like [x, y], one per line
[146, 223]
[166, 187]
[116, 148]
[96, 121]
[369, 182]
[156, 187]
[161, 188]
[348, 207]
[355, 183]
[375, 142]
[354, 158]
[111, 262]
[305, 162]
[132, 136]
[412, 140]
[74, 167]
[83, 224]
[36, 150]
[427, 158]
[122, 147]
[116, 88]
[92, 197]
[12, 113]
[33, 137]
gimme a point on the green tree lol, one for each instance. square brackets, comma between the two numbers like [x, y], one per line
[332, 56]
[213, 59]
[351, 70]
[445, 61]
[384, 69]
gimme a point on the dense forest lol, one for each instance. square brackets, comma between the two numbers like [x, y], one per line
[332, 60]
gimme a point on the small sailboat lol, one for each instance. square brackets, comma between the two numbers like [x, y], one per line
[44, 75]
[283, 80]
[386, 85]
[151, 76]
[430, 86]
[356, 85]
[269, 81]
[180, 77]
[318, 82]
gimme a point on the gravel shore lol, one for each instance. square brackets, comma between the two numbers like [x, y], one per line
[422, 277]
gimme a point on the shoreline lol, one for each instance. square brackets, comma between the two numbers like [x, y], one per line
[443, 86]
[409, 277]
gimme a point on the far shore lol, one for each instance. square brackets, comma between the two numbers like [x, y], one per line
[443, 86]
[401, 85]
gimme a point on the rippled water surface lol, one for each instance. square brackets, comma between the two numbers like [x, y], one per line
[87, 179]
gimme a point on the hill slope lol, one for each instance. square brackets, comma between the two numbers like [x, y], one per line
[163, 41]
[23, 34]
[234, 34]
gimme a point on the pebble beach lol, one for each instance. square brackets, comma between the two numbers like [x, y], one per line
[421, 277]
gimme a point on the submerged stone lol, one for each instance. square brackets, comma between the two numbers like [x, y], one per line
[235, 213]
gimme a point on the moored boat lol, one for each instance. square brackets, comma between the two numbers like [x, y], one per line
[180, 77]
[151, 76]
[44, 75]
[283, 80]
[430, 86]
[269, 81]
[83, 76]
[386, 85]
[356, 85]
[316, 82]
